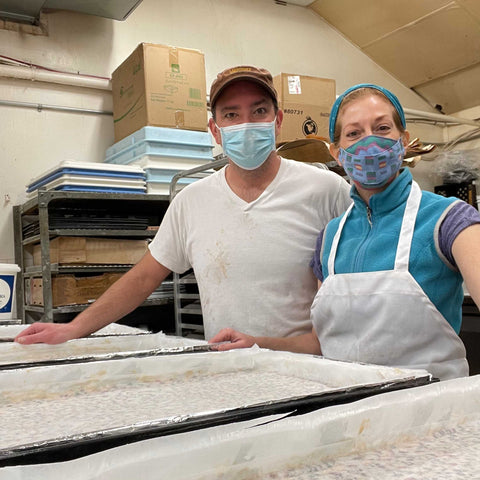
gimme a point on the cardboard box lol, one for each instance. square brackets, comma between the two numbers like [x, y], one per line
[92, 250]
[70, 290]
[160, 86]
[306, 103]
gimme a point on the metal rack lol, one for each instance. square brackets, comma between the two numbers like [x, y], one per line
[189, 303]
[44, 202]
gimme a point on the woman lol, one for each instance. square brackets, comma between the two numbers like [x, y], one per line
[391, 268]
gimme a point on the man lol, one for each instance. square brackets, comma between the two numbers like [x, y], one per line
[248, 230]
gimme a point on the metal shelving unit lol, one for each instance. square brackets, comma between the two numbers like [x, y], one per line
[188, 304]
[40, 208]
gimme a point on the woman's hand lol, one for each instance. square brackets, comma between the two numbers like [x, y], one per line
[236, 339]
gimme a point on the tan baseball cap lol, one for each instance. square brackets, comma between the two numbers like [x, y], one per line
[244, 72]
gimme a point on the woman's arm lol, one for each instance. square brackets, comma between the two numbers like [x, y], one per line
[306, 343]
[466, 251]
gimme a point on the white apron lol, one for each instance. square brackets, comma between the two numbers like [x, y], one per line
[384, 317]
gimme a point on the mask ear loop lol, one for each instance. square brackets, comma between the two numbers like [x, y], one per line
[220, 130]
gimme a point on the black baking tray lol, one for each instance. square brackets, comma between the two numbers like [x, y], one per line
[59, 450]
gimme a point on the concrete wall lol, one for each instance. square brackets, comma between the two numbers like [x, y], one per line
[289, 39]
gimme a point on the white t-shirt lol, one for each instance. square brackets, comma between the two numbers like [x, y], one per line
[252, 260]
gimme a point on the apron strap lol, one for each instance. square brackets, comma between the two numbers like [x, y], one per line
[336, 239]
[408, 225]
[406, 232]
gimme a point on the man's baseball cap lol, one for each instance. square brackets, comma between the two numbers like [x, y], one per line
[259, 76]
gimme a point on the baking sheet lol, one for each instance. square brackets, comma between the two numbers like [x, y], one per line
[426, 433]
[9, 332]
[10, 321]
[398, 435]
[75, 409]
[95, 348]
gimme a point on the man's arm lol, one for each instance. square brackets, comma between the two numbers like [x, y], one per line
[121, 298]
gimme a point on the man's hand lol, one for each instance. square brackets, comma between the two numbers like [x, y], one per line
[51, 333]
[237, 339]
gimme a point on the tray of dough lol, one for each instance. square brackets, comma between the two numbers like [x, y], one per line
[95, 348]
[425, 433]
[61, 412]
[9, 332]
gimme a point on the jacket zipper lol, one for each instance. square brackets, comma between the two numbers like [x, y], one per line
[369, 216]
[361, 251]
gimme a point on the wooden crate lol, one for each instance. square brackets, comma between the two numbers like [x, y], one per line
[71, 290]
[92, 250]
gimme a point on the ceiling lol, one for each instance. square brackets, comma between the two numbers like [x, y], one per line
[431, 46]
[28, 11]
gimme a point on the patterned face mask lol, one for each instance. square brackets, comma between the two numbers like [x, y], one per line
[372, 161]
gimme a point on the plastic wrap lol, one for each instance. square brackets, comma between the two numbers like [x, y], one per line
[342, 437]
[8, 332]
[95, 348]
[458, 166]
[70, 409]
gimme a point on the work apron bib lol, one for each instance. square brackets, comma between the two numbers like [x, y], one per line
[384, 317]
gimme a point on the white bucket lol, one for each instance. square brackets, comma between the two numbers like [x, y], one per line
[8, 273]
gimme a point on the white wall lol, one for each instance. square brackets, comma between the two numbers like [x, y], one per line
[288, 39]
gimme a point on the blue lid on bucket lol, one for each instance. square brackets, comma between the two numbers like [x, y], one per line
[8, 272]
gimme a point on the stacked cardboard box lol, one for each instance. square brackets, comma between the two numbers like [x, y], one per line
[162, 86]
[306, 103]
[91, 250]
[69, 289]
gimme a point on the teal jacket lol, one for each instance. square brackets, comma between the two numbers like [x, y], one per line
[370, 236]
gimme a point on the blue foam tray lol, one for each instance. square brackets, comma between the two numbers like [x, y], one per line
[149, 147]
[163, 141]
[165, 176]
[164, 135]
[79, 171]
[78, 188]
[127, 159]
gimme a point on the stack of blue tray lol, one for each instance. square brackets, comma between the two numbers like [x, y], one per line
[90, 177]
[162, 153]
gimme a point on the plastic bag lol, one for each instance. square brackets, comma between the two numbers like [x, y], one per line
[458, 166]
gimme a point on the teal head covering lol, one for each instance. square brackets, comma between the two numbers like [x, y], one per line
[334, 112]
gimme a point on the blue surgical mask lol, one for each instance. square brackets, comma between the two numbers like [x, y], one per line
[372, 161]
[248, 145]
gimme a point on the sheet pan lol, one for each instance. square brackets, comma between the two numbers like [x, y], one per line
[426, 433]
[338, 443]
[95, 348]
[9, 332]
[11, 321]
[67, 411]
